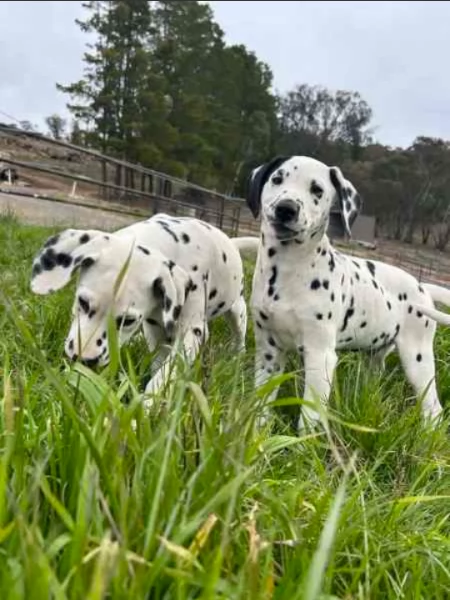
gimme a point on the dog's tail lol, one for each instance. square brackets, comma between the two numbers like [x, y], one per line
[436, 315]
[438, 293]
[246, 244]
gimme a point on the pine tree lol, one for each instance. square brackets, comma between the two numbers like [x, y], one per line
[118, 97]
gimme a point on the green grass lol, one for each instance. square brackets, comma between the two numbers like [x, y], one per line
[195, 503]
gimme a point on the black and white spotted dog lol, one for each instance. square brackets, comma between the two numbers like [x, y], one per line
[166, 276]
[310, 298]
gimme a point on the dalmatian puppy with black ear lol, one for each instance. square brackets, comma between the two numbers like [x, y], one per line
[309, 298]
[166, 276]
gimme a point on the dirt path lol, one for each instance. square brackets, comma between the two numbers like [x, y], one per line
[36, 211]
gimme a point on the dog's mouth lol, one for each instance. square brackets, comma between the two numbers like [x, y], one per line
[283, 231]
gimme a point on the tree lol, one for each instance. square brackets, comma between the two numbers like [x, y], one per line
[314, 118]
[56, 126]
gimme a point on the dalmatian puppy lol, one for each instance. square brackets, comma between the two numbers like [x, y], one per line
[166, 276]
[309, 298]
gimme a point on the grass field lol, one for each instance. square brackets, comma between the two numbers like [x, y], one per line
[194, 503]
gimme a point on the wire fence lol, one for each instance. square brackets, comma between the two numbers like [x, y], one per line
[60, 171]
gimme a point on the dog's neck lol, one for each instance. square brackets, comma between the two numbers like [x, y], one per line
[298, 251]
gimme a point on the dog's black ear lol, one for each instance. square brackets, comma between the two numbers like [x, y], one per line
[61, 255]
[347, 208]
[256, 181]
[171, 289]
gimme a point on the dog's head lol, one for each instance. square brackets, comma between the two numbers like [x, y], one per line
[296, 194]
[118, 278]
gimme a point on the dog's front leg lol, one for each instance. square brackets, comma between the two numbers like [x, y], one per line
[269, 362]
[319, 364]
[165, 374]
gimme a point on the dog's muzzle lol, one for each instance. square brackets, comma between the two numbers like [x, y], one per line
[87, 362]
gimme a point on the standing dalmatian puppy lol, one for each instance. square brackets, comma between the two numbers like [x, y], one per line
[166, 276]
[309, 298]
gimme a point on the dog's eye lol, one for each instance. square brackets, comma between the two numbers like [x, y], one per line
[84, 304]
[316, 190]
[277, 179]
[125, 321]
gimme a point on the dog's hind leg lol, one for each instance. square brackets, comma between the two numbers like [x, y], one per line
[377, 359]
[237, 317]
[417, 358]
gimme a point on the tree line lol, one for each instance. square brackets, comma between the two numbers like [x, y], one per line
[162, 88]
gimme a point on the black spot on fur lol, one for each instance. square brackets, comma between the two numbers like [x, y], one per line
[36, 270]
[144, 250]
[258, 324]
[186, 239]
[389, 305]
[176, 312]
[272, 342]
[331, 263]
[410, 309]
[375, 284]
[419, 358]
[421, 290]
[51, 241]
[104, 335]
[263, 239]
[332, 297]
[348, 315]
[212, 294]
[375, 341]
[158, 288]
[48, 260]
[166, 228]
[419, 314]
[71, 345]
[84, 304]
[92, 314]
[263, 316]
[268, 356]
[273, 278]
[87, 262]
[224, 257]
[84, 238]
[357, 276]
[152, 322]
[315, 284]
[318, 249]
[427, 322]
[371, 267]
[195, 268]
[319, 316]
[167, 302]
[197, 331]
[276, 297]
[323, 252]
[271, 252]
[357, 265]
[99, 342]
[326, 284]
[330, 315]
[363, 324]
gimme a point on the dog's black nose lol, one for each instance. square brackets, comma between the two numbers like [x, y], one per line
[286, 210]
[90, 362]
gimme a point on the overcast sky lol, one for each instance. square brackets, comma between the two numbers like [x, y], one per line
[394, 53]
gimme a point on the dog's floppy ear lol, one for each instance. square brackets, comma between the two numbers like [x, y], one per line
[256, 181]
[348, 206]
[60, 257]
[171, 288]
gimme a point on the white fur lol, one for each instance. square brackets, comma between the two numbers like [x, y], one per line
[166, 276]
[310, 298]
